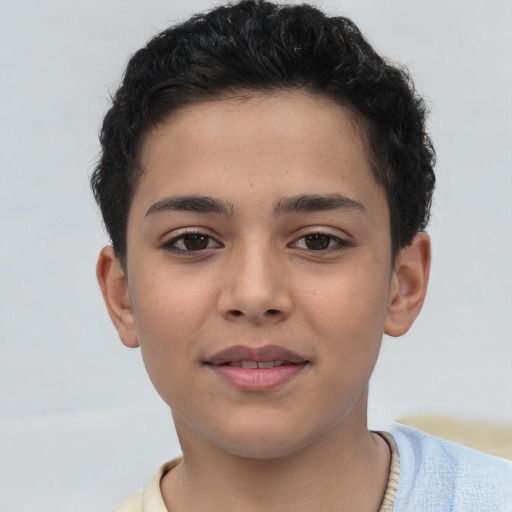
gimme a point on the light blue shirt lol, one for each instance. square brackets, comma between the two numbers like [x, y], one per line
[441, 476]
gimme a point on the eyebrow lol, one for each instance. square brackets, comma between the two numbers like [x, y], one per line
[303, 203]
[200, 204]
[309, 203]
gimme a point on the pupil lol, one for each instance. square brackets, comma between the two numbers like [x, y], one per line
[195, 242]
[317, 242]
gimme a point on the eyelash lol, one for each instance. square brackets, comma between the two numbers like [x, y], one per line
[340, 244]
[170, 245]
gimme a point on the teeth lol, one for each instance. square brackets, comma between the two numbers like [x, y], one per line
[256, 364]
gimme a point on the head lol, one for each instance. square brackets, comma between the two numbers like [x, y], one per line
[260, 47]
[265, 177]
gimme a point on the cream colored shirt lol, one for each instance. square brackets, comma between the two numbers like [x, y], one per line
[150, 498]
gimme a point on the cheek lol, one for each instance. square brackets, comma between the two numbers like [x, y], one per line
[351, 300]
[170, 316]
[348, 324]
[347, 314]
[167, 305]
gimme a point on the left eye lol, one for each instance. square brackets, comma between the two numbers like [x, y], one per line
[319, 242]
[191, 242]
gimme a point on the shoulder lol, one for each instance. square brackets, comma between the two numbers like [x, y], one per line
[134, 503]
[441, 475]
[150, 498]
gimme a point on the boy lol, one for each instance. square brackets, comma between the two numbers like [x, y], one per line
[265, 179]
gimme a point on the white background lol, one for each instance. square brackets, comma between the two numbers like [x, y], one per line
[81, 426]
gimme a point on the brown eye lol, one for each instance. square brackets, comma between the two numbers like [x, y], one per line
[317, 241]
[195, 241]
[191, 242]
[323, 243]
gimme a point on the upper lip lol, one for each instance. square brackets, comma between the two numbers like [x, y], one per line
[239, 353]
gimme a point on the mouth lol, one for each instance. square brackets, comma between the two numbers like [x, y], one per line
[252, 365]
[257, 369]
[269, 356]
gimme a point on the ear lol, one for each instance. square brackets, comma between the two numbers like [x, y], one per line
[408, 285]
[114, 287]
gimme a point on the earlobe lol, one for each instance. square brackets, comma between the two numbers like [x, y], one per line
[114, 287]
[408, 285]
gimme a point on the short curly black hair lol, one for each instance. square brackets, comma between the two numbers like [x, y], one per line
[264, 47]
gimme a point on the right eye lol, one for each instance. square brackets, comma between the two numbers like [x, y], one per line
[191, 242]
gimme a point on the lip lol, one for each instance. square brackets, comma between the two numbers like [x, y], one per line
[256, 379]
[239, 353]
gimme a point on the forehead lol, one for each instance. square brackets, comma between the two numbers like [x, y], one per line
[279, 144]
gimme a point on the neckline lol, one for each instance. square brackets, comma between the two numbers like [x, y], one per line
[153, 490]
[394, 472]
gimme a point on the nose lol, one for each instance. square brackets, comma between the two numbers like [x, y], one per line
[255, 288]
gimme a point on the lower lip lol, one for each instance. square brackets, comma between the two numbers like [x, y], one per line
[258, 379]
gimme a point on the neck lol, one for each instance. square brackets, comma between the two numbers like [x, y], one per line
[347, 469]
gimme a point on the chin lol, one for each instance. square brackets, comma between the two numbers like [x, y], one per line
[266, 443]
[262, 436]
[261, 450]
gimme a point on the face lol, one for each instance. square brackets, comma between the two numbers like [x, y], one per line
[259, 272]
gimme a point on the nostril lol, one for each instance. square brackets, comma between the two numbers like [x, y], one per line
[268, 314]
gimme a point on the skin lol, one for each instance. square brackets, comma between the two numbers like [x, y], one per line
[259, 280]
